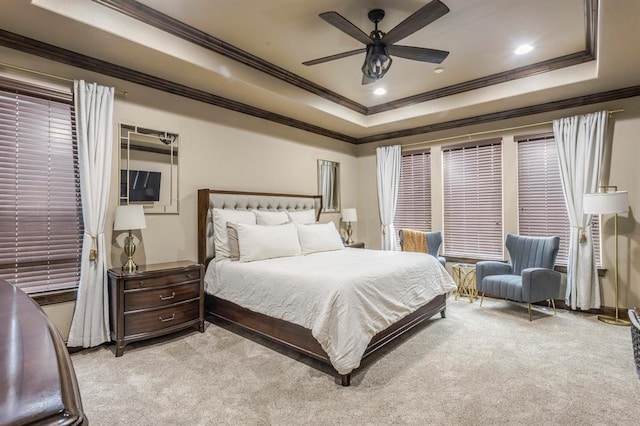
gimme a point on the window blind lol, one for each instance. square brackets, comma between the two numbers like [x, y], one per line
[541, 206]
[41, 225]
[472, 185]
[413, 208]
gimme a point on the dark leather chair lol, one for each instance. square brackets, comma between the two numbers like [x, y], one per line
[434, 243]
[530, 276]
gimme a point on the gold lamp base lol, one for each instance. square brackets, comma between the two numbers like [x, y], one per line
[613, 320]
[129, 250]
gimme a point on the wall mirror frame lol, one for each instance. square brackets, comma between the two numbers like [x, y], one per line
[329, 185]
[149, 169]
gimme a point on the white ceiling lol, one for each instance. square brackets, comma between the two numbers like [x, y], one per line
[480, 34]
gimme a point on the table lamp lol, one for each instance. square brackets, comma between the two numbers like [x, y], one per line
[609, 203]
[349, 216]
[128, 218]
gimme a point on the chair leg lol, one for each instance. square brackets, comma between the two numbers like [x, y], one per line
[481, 299]
[529, 308]
[553, 303]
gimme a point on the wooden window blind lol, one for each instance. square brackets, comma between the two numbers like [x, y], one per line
[413, 208]
[41, 225]
[541, 206]
[472, 186]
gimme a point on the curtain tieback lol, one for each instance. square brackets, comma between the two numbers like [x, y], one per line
[384, 228]
[583, 235]
[93, 252]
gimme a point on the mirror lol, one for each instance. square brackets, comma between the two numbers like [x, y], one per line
[149, 168]
[329, 185]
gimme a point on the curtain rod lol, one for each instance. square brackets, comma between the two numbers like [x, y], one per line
[486, 132]
[16, 67]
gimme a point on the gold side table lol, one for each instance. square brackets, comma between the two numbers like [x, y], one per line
[464, 274]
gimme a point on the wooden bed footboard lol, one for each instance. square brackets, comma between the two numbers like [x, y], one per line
[300, 338]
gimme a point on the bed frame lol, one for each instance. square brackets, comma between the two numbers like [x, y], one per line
[288, 334]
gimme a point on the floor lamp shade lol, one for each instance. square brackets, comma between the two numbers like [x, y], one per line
[606, 202]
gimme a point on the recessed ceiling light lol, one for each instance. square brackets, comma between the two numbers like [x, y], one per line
[380, 91]
[522, 49]
[438, 70]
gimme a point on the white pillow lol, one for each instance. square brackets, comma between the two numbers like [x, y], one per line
[302, 217]
[319, 237]
[220, 219]
[270, 218]
[257, 242]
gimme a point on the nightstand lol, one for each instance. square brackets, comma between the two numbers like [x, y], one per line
[355, 245]
[155, 300]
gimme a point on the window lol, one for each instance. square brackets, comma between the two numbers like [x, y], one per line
[541, 207]
[413, 209]
[40, 210]
[472, 185]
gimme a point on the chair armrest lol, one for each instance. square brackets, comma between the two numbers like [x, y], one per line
[540, 284]
[489, 267]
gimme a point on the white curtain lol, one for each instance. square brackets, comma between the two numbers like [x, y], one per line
[94, 124]
[327, 184]
[388, 160]
[580, 142]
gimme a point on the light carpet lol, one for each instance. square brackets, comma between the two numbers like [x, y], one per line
[478, 366]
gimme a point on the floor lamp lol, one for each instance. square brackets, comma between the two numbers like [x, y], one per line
[609, 202]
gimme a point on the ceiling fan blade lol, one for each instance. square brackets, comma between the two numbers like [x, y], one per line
[341, 23]
[419, 19]
[336, 56]
[367, 80]
[418, 53]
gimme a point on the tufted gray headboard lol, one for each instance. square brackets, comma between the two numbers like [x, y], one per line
[210, 198]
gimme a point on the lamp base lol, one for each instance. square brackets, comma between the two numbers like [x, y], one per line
[129, 266]
[608, 319]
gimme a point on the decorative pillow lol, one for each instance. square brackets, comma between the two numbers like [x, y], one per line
[319, 237]
[232, 236]
[258, 242]
[302, 217]
[220, 219]
[270, 218]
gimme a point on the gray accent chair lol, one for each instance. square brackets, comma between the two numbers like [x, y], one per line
[530, 276]
[434, 243]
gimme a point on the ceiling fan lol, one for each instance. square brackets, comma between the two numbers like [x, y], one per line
[380, 45]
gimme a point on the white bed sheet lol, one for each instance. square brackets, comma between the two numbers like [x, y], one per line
[344, 297]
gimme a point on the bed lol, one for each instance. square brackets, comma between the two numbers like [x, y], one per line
[368, 325]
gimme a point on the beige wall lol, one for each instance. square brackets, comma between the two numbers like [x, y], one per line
[624, 158]
[227, 150]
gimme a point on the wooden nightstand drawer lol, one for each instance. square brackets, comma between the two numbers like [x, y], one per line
[154, 300]
[158, 319]
[142, 299]
[176, 278]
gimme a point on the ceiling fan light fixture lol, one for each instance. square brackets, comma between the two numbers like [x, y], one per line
[377, 62]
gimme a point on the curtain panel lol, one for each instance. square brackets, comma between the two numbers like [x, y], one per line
[94, 123]
[580, 143]
[388, 162]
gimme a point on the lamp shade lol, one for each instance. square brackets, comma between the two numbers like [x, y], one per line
[349, 215]
[129, 217]
[606, 202]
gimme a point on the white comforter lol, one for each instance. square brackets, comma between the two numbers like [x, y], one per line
[344, 297]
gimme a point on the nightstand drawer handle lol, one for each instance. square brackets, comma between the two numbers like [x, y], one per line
[189, 276]
[141, 283]
[173, 295]
[171, 318]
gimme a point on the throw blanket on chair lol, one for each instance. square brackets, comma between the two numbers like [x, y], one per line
[414, 241]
